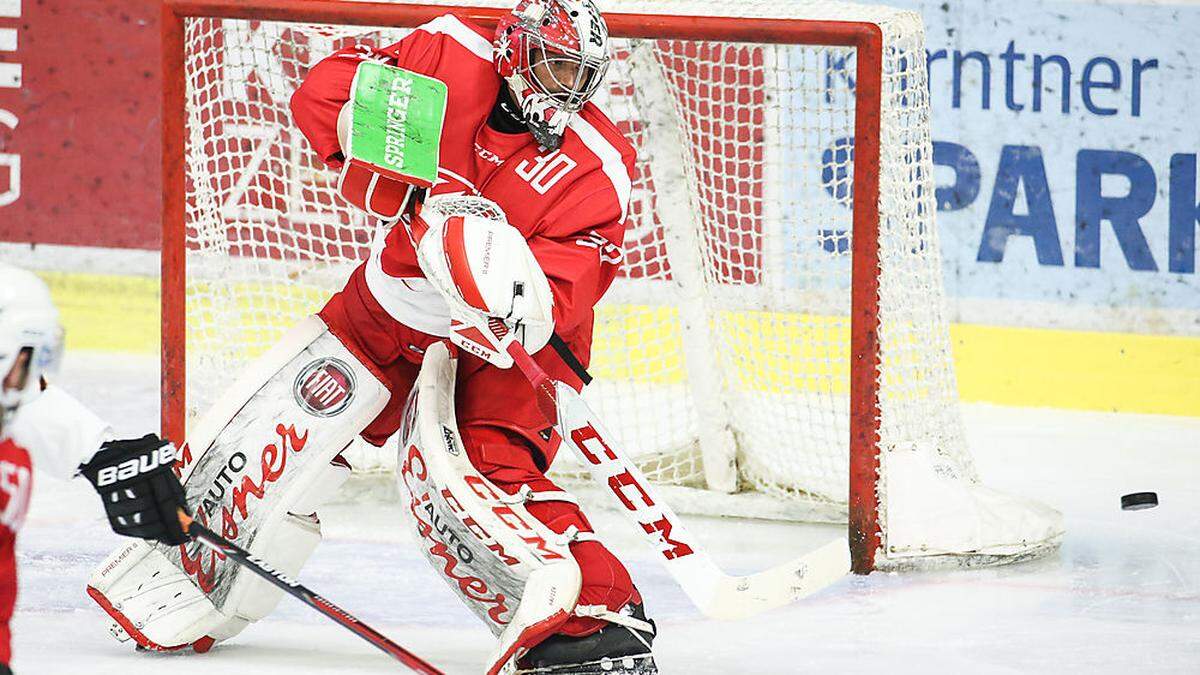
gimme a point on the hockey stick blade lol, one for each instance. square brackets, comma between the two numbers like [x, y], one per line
[297, 590]
[717, 594]
[722, 596]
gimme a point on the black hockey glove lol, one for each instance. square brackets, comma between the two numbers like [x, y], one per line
[139, 488]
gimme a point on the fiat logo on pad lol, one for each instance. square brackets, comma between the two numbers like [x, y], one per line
[325, 387]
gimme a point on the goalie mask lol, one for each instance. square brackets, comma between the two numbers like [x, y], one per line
[553, 54]
[30, 340]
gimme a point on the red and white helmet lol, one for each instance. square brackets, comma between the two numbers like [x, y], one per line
[553, 54]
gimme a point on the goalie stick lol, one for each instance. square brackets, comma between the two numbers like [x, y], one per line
[717, 594]
[242, 557]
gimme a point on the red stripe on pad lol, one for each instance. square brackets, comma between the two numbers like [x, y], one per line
[455, 245]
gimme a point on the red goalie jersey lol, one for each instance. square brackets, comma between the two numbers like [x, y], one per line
[571, 204]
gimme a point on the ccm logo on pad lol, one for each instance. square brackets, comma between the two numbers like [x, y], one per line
[325, 387]
[164, 456]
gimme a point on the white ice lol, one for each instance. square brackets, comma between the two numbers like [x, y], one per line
[1122, 594]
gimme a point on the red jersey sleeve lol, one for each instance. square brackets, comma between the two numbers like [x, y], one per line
[581, 256]
[326, 88]
[316, 104]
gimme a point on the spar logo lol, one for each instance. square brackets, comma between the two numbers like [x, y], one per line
[325, 387]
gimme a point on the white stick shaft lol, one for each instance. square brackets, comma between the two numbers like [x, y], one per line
[718, 595]
[715, 593]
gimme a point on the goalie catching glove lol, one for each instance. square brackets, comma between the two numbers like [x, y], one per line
[483, 267]
[141, 494]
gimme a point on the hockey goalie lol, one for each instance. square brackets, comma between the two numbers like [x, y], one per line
[520, 229]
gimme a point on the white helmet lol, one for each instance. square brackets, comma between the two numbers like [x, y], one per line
[28, 324]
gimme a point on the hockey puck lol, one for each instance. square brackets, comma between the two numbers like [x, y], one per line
[1136, 501]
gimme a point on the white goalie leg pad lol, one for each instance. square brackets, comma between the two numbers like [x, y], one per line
[159, 605]
[150, 599]
[256, 467]
[513, 572]
[289, 542]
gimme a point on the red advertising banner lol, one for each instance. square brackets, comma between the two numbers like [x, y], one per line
[79, 122]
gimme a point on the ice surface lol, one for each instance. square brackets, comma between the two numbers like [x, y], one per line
[1123, 593]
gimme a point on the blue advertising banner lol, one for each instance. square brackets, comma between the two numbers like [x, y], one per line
[1066, 137]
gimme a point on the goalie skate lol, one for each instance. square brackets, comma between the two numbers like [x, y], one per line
[617, 649]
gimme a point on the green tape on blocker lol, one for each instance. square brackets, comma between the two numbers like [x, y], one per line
[396, 125]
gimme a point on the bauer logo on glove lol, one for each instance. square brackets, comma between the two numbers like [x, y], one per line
[164, 456]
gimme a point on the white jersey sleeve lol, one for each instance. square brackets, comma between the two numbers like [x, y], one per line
[59, 432]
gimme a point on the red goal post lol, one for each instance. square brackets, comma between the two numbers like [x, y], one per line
[863, 357]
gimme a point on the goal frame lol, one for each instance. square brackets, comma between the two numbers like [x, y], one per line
[865, 417]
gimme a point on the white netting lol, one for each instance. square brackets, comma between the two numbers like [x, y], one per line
[727, 334]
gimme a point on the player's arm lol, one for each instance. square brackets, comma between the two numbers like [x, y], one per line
[321, 111]
[317, 103]
[135, 478]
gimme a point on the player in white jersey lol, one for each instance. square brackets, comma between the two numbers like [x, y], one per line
[42, 426]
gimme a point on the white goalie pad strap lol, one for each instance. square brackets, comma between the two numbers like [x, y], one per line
[513, 572]
[585, 536]
[254, 469]
[606, 614]
[573, 534]
[526, 494]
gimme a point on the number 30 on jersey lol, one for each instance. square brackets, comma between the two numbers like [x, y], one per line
[543, 173]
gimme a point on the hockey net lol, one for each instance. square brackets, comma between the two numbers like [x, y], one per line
[777, 343]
